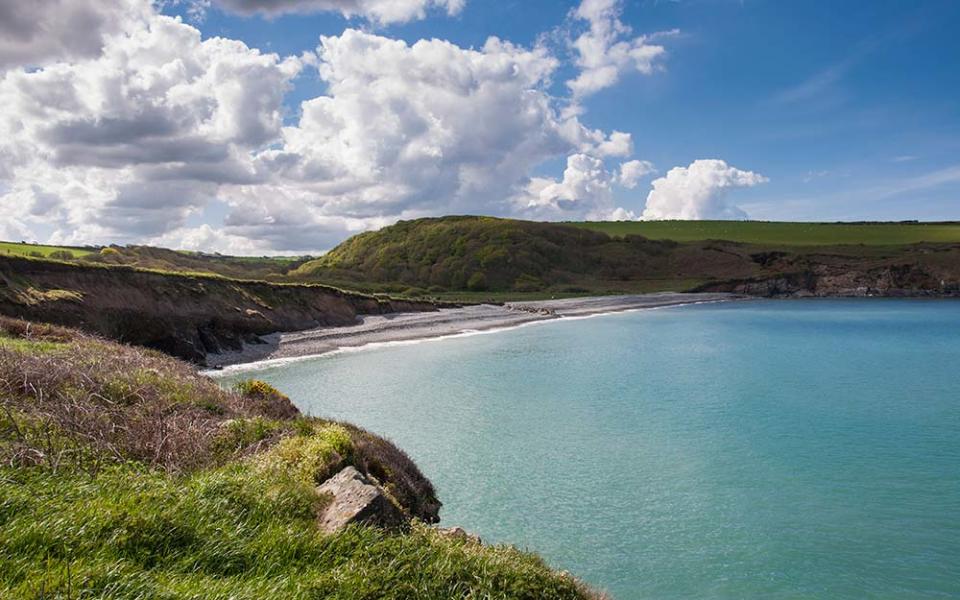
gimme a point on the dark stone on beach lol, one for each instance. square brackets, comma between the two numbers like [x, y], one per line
[356, 499]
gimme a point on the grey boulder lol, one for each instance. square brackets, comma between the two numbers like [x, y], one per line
[356, 499]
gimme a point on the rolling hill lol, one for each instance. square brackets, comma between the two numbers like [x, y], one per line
[484, 255]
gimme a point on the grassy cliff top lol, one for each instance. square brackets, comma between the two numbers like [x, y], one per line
[125, 474]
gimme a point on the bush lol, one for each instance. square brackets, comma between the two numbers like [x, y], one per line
[267, 399]
[62, 255]
[256, 388]
[477, 282]
[414, 292]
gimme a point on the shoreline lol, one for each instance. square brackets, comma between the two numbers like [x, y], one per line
[407, 328]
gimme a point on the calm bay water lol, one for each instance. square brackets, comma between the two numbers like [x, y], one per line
[793, 449]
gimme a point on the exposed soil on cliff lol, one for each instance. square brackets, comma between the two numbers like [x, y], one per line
[186, 316]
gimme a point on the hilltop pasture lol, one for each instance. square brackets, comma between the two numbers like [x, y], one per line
[782, 233]
[39, 250]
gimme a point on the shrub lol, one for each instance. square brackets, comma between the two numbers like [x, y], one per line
[267, 399]
[477, 282]
[62, 255]
[256, 388]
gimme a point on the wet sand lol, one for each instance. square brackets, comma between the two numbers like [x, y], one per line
[446, 322]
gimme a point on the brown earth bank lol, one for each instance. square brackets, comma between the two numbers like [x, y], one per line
[187, 316]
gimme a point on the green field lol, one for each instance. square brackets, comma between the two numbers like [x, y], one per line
[20, 249]
[780, 233]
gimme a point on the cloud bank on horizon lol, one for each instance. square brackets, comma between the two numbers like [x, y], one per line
[128, 128]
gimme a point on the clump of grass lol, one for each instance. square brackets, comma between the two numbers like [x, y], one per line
[310, 459]
[239, 436]
[28, 346]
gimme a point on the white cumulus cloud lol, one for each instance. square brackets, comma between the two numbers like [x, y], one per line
[130, 143]
[607, 48]
[422, 129]
[585, 191]
[632, 171]
[698, 191]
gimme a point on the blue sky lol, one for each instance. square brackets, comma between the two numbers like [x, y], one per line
[840, 104]
[204, 124]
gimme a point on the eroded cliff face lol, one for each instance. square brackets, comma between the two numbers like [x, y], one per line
[920, 271]
[183, 315]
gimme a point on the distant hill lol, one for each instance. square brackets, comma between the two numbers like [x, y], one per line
[161, 259]
[490, 255]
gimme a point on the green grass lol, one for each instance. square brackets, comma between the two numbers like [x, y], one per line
[782, 234]
[28, 346]
[20, 249]
[230, 533]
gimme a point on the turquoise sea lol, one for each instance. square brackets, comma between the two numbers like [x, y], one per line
[763, 449]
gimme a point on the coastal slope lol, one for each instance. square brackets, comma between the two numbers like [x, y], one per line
[125, 474]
